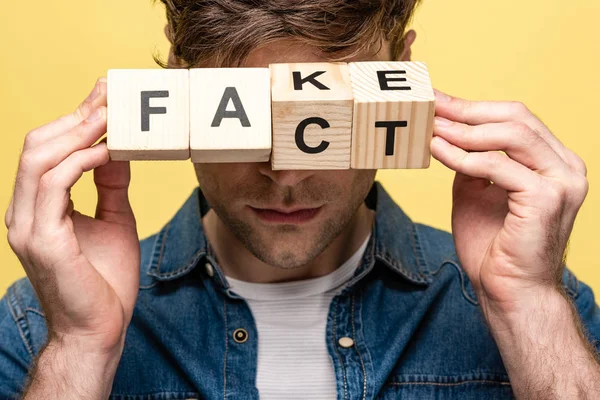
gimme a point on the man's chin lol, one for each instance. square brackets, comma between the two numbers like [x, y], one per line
[286, 260]
[285, 245]
[287, 249]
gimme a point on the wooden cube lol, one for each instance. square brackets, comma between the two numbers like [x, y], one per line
[148, 114]
[394, 106]
[230, 115]
[311, 116]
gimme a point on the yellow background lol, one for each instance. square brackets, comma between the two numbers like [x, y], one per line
[545, 53]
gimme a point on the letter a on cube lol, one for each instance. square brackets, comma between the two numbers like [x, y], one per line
[312, 116]
[148, 114]
[394, 106]
[230, 115]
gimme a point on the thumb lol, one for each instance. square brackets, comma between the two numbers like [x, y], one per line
[112, 183]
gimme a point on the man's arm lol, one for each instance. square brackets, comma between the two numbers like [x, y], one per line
[87, 286]
[66, 369]
[512, 216]
[62, 369]
[546, 346]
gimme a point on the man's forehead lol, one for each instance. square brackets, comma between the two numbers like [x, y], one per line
[295, 51]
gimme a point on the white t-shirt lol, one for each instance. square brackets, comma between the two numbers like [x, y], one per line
[291, 317]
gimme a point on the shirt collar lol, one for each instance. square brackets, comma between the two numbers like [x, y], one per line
[181, 244]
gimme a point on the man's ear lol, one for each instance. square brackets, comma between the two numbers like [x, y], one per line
[408, 40]
[168, 33]
[172, 61]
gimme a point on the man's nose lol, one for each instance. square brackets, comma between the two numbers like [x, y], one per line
[289, 177]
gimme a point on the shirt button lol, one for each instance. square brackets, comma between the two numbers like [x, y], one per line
[240, 335]
[346, 342]
[209, 269]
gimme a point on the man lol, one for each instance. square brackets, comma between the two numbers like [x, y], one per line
[300, 284]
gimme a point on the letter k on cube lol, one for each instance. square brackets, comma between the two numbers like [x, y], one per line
[360, 115]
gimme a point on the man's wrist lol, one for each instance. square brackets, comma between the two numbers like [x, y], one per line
[540, 317]
[540, 338]
[67, 368]
[512, 314]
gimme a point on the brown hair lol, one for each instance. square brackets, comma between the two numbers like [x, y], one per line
[225, 31]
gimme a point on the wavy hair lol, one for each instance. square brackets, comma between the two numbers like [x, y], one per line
[225, 31]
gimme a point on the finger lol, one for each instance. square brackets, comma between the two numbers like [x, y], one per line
[53, 196]
[9, 212]
[10, 209]
[36, 162]
[485, 112]
[95, 99]
[518, 140]
[575, 162]
[474, 184]
[494, 166]
[112, 183]
[70, 207]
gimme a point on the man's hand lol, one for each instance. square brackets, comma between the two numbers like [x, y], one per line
[84, 270]
[511, 235]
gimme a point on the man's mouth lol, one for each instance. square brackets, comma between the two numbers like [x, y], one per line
[295, 215]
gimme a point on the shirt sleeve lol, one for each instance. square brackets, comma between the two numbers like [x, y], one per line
[589, 312]
[15, 357]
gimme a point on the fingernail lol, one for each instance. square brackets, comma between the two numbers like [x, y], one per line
[94, 116]
[100, 144]
[93, 94]
[442, 122]
[439, 139]
[441, 97]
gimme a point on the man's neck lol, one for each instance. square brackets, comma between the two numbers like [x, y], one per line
[237, 262]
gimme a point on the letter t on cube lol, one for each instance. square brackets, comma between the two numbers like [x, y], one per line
[148, 114]
[394, 107]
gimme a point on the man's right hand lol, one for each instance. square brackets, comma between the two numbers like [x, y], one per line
[84, 270]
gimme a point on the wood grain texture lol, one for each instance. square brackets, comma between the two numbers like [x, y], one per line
[291, 106]
[230, 140]
[167, 134]
[371, 104]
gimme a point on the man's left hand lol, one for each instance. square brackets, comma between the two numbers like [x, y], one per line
[510, 235]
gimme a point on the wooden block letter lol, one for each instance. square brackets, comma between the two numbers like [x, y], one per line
[230, 115]
[392, 123]
[148, 114]
[312, 116]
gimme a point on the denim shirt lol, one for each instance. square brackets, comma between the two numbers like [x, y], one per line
[416, 326]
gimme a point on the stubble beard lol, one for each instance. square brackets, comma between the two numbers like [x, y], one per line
[264, 249]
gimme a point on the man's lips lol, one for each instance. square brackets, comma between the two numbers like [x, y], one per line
[293, 215]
